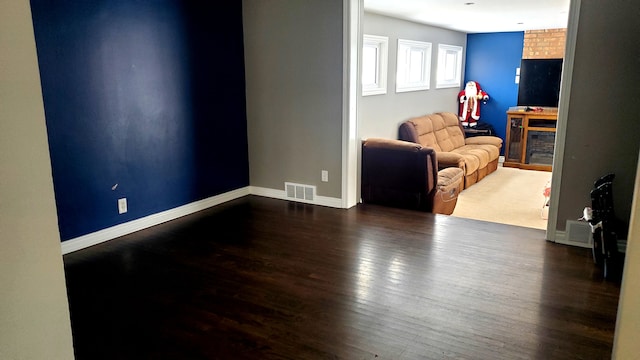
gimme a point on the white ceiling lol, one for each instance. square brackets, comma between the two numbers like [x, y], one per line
[477, 16]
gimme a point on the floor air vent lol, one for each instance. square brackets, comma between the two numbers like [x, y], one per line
[578, 233]
[300, 191]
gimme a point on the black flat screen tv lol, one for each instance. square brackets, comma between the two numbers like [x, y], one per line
[539, 82]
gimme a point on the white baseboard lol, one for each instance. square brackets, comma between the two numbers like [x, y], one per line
[113, 232]
[280, 194]
[117, 231]
[149, 221]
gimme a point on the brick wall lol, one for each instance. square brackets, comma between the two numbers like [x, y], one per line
[544, 44]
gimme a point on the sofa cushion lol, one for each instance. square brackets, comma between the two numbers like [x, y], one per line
[438, 131]
[492, 151]
[471, 163]
[455, 135]
[470, 154]
[481, 154]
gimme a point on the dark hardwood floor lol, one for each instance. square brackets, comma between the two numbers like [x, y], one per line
[260, 278]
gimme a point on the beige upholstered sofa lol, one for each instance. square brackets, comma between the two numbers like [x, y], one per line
[476, 156]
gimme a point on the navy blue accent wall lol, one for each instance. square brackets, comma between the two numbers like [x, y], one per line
[145, 94]
[492, 60]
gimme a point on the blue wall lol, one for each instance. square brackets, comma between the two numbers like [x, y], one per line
[148, 95]
[492, 60]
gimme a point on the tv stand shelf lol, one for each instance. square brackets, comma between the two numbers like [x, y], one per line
[530, 138]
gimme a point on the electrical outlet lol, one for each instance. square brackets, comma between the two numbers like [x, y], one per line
[122, 206]
[325, 176]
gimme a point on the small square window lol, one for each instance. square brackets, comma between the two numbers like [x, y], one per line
[449, 66]
[414, 65]
[374, 65]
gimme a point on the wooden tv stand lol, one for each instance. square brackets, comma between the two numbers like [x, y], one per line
[530, 138]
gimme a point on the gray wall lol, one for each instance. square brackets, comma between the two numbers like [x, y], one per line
[293, 62]
[603, 131]
[381, 115]
[34, 313]
[626, 345]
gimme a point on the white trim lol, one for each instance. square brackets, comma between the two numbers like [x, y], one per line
[561, 126]
[443, 50]
[403, 65]
[381, 44]
[352, 47]
[113, 232]
[282, 195]
[130, 227]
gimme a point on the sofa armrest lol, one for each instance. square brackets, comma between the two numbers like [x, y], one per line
[450, 159]
[407, 132]
[484, 140]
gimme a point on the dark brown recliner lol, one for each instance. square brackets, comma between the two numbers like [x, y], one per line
[405, 175]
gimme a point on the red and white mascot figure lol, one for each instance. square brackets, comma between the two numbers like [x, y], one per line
[469, 103]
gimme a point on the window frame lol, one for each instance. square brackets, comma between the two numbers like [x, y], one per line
[381, 43]
[403, 83]
[444, 67]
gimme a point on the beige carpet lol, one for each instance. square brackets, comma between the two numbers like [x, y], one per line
[508, 196]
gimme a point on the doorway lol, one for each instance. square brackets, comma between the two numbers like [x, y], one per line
[354, 17]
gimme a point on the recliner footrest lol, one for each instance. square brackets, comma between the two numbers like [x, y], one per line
[447, 190]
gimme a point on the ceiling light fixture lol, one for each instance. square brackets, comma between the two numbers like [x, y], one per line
[469, 3]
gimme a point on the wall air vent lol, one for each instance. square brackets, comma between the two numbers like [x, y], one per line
[299, 192]
[578, 233]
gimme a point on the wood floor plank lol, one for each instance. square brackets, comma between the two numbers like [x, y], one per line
[260, 278]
